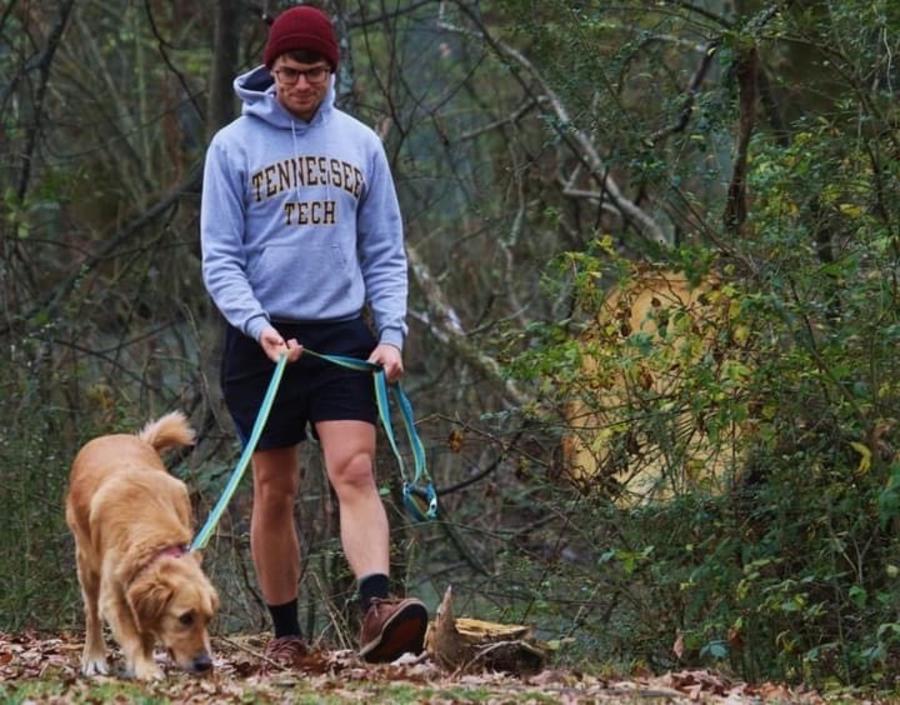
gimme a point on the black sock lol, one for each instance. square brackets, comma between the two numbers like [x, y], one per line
[284, 619]
[373, 585]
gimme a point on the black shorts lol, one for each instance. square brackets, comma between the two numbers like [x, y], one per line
[311, 389]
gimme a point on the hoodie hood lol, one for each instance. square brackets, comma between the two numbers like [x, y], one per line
[256, 89]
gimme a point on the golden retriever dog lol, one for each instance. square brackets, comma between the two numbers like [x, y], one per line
[132, 523]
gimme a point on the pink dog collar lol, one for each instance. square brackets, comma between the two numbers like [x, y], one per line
[176, 551]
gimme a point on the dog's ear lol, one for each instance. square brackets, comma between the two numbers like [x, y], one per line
[147, 600]
[211, 602]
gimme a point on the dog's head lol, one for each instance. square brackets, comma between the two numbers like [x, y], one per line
[174, 601]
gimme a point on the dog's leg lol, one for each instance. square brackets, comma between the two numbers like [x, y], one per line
[139, 661]
[138, 657]
[93, 658]
[145, 667]
[148, 641]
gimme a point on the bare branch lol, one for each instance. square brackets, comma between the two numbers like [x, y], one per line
[444, 323]
[55, 298]
[580, 143]
[387, 15]
[736, 206]
[512, 118]
[162, 44]
[689, 95]
[220, 103]
[41, 62]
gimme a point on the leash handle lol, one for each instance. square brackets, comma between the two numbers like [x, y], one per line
[202, 538]
[420, 502]
[414, 493]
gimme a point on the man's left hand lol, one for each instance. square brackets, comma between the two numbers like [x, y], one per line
[391, 360]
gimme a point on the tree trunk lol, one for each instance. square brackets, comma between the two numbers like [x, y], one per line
[221, 104]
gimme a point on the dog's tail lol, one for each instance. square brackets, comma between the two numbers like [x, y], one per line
[168, 431]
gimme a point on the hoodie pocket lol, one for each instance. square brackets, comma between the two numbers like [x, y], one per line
[298, 272]
[340, 258]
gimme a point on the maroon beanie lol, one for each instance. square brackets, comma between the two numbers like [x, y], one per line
[301, 27]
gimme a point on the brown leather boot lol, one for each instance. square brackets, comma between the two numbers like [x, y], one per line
[286, 652]
[392, 627]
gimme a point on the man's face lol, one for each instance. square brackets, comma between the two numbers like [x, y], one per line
[301, 88]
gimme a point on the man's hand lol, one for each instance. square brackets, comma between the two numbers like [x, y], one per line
[391, 360]
[274, 345]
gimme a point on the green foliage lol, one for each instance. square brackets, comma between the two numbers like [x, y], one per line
[789, 568]
[763, 417]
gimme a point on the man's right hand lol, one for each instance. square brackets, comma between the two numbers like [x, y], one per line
[274, 345]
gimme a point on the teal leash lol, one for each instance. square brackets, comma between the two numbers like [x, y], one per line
[202, 538]
[419, 496]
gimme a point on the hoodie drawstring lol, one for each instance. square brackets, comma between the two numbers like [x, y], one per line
[297, 170]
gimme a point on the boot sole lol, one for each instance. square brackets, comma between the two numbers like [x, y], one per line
[404, 632]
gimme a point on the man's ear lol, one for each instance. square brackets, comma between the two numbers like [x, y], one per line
[147, 600]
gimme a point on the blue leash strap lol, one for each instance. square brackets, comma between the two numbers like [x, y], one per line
[419, 496]
[202, 538]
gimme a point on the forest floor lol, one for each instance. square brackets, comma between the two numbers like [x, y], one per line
[41, 669]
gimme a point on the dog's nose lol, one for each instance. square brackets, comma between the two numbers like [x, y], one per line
[202, 663]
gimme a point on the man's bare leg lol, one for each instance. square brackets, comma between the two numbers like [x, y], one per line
[390, 627]
[273, 533]
[276, 549]
[349, 449]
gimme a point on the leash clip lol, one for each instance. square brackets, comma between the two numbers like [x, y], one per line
[420, 502]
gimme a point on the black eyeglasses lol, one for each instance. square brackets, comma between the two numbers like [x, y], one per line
[289, 76]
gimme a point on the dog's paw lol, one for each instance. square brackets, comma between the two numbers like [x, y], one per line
[94, 666]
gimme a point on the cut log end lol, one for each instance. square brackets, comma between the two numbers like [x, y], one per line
[466, 644]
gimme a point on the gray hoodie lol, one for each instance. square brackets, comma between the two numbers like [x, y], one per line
[300, 221]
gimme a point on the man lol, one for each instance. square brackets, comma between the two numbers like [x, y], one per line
[300, 230]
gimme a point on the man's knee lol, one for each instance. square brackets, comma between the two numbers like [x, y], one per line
[275, 481]
[354, 474]
[273, 497]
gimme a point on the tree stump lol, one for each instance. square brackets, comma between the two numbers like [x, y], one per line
[462, 644]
